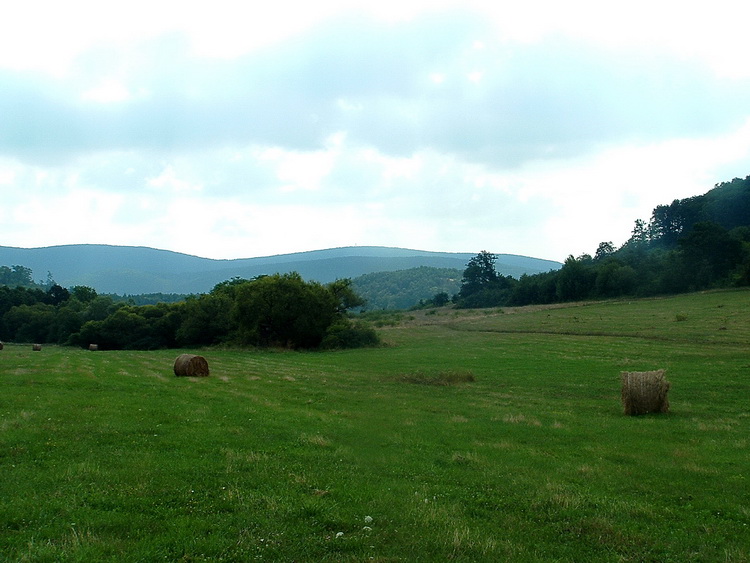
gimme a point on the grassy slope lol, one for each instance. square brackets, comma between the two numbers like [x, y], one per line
[106, 455]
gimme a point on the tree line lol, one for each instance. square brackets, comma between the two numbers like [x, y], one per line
[692, 244]
[279, 310]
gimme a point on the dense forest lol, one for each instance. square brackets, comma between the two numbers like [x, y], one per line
[691, 244]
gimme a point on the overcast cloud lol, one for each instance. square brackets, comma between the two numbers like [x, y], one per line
[225, 131]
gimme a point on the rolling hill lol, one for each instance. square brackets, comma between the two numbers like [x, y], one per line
[131, 270]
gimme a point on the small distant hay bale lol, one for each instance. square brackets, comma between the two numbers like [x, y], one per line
[1, 345]
[190, 365]
[36, 347]
[644, 392]
[93, 347]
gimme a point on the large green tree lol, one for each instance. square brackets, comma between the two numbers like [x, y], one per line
[479, 274]
[284, 310]
[482, 286]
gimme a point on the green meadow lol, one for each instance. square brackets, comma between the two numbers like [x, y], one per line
[474, 435]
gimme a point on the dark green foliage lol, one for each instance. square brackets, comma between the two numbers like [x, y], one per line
[57, 295]
[440, 299]
[147, 327]
[30, 314]
[28, 323]
[99, 308]
[151, 298]
[576, 279]
[345, 333]
[481, 285]
[691, 244]
[284, 310]
[206, 319]
[16, 276]
[604, 250]
[540, 288]
[83, 294]
[615, 278]
[710, 253]
[124, 329]
[345, 295]
[479, 273]
[279, 310]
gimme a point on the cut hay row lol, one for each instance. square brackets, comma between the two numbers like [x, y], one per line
[644, 392]
[445, 377]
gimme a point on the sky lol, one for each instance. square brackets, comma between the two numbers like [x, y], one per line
[231, 129]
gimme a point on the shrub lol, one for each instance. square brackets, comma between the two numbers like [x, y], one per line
[347, 334]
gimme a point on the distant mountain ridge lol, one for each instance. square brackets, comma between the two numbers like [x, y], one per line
[132, 270]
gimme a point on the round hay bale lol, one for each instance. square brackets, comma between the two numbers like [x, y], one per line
[190, 365]
[93, 347]
[644, 392]
[36, 347]
[1, 345]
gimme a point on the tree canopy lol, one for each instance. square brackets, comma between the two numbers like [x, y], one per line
[691, 244]
[278, 310]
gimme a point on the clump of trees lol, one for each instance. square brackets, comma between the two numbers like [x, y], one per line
[278, 310]
[692, 244]
[16, 276]
[31, 314]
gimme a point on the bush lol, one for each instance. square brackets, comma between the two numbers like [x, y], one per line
[347, 334]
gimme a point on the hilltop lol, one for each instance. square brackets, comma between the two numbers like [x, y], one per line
[132, 270]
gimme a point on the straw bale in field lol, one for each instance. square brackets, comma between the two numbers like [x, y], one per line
[190, 364]
[1, 345]
[93, 347]
[36, 347]
[644, 392]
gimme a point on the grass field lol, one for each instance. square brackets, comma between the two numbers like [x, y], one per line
[471, 436]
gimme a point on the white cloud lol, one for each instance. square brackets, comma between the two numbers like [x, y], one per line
[169, 181]
[109, 90]
[539, 128]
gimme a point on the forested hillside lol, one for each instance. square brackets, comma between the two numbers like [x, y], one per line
[406, 288]
[691, 244]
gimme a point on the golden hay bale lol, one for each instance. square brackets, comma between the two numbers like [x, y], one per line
[644, 392]
[36, 347]
[190, 364]
[93, 347]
